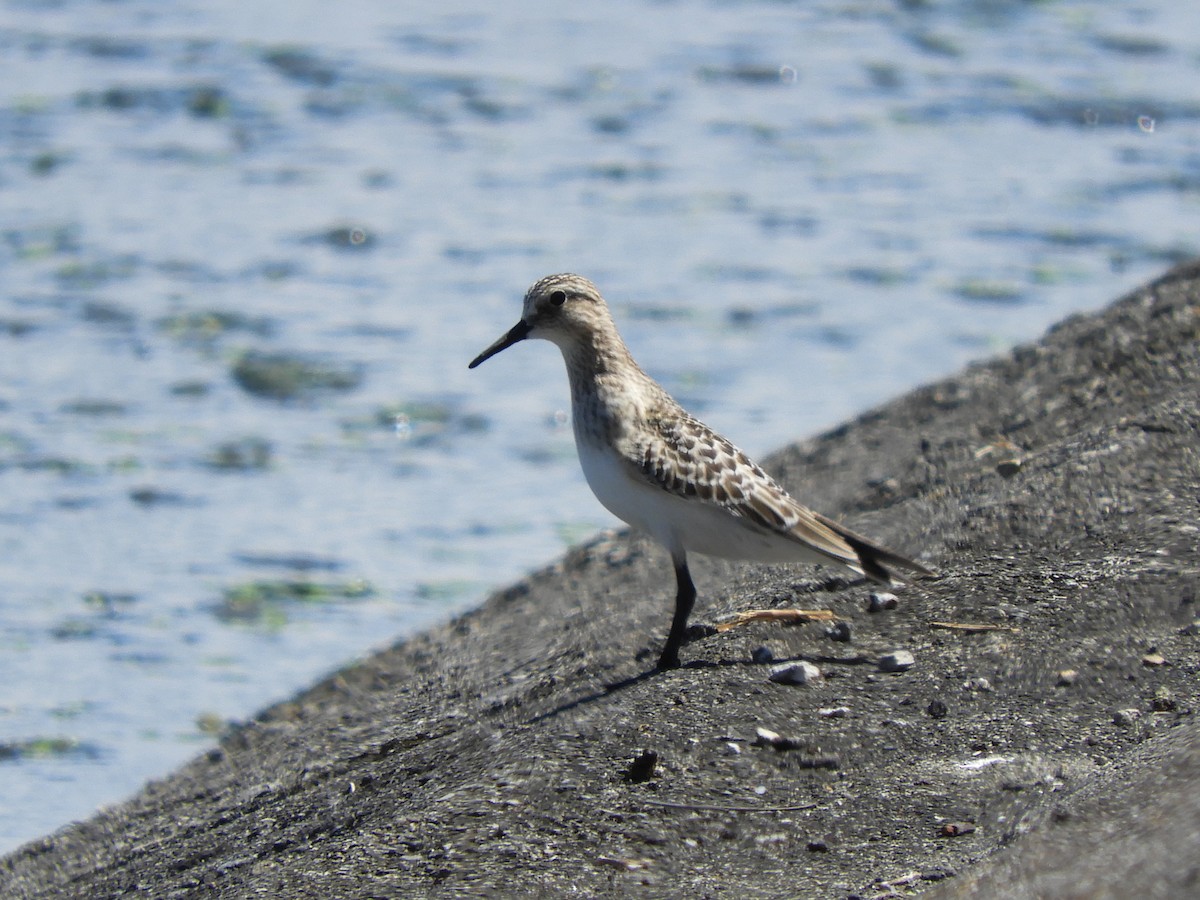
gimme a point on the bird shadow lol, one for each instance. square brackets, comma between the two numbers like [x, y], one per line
[697, 633]
[613, 687]
[608, 690]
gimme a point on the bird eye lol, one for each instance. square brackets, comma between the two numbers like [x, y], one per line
[558, 298]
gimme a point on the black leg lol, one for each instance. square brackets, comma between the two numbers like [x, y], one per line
[684, 600]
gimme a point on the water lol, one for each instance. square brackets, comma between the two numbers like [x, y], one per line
[797, 211]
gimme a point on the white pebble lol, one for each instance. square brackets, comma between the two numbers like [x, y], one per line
[896, 661]
[796, 673]
[1126, 716]
[881, 600]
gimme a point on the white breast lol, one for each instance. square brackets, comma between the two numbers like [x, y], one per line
[681, 523]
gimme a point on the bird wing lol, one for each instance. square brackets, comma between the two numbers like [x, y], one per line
[683, 456]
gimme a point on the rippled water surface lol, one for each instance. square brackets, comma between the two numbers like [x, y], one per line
[247, 249]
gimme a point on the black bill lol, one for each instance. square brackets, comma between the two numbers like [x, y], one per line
[517, 333]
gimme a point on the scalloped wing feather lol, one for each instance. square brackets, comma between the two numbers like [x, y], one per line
[686, 458]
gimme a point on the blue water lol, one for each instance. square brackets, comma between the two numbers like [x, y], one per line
[796, 211]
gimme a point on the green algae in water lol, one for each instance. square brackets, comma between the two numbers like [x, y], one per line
[208, 326]
[439, 416]
[345, 237]
[447, 589]
[107, 601]
[73, 629]
[422, 422]
[211, 724]
[300, 64]
[242, 455]
[880, 276]
[192, 389]
[46, 162]
[40, 241]
[414, 411]
[108, 315]
[94, 407]
[72, 710]
[283, 376]
[56, 464]
[265, 602]
[45, 748]
[986, 291]
[97, 273]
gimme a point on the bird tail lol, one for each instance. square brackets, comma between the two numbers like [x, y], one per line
[873, 558]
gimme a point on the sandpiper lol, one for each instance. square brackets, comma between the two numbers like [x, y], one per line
[666, 473]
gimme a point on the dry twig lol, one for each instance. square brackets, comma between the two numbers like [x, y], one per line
[704, 807]
[971, 627]
[785, 616]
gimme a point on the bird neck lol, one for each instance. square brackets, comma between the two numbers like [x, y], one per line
[600, 358]
[608, 387]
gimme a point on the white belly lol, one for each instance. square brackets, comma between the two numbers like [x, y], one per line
[683, 523]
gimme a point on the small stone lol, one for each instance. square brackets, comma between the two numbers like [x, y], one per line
[817, 847]
[1010, 467]
[938, 874]
[642, 768]
[796, 673]
[878, 601]
[762, 654]
[1153, 660]
[937, 709]
[896, 661]
[839, 632]
[832, 763]
[625, 865]
[776, 837]
[1164, 700]
[834, 712]
[1067, 677]
[765, 737]
[1125, 717]
[957, 829]
[980, 684]
[1192, 629]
